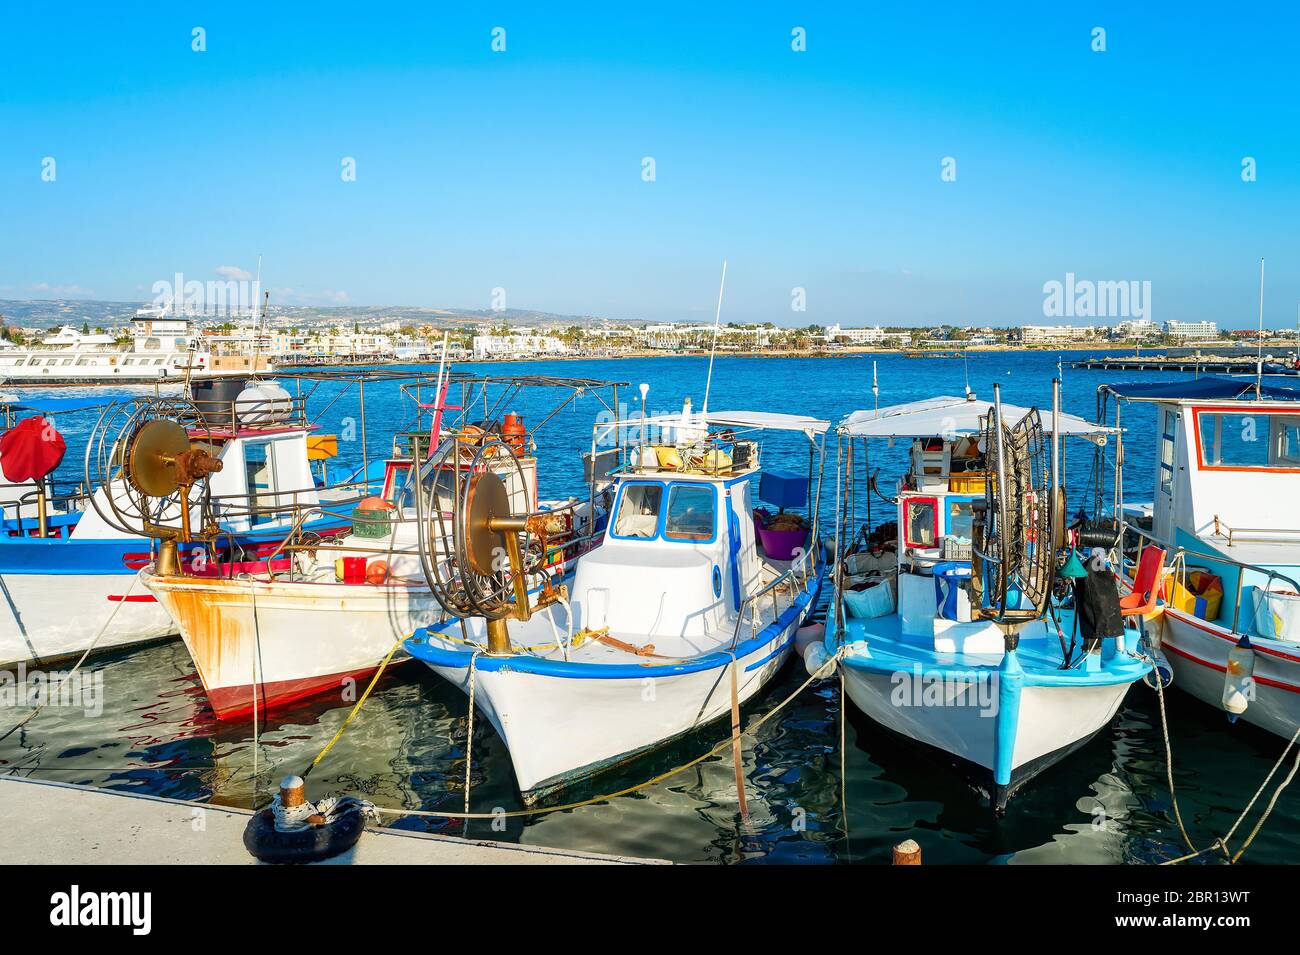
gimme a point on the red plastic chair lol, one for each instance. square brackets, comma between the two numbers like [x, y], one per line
[1146, 584]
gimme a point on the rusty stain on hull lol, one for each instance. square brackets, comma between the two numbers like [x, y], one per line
[216, 623]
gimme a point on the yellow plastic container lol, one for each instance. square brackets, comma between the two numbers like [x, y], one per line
[973, 482]
[668, 457]
[1201, 597]
[322, 446]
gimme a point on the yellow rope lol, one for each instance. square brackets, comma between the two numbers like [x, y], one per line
[1220, 843]
[356, 709]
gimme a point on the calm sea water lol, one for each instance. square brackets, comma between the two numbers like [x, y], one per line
[1107, 803]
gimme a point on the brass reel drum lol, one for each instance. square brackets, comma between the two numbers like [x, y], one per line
[144, 466]
[475, 564]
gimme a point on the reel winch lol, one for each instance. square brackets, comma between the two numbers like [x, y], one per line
[148, 472]
[478, 560]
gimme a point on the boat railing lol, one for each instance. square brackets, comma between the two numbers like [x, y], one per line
[48, 501]
[1176, 560]
[799, 572]
[571, 545]
[1257, 535]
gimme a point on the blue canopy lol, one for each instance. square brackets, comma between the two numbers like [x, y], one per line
[57, 405]
[1208, 387]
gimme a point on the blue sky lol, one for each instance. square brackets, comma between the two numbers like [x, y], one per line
[523, 169]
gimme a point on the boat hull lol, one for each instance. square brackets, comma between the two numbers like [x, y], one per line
[258, 645]
[1045, 725]
[564, 723]
[53, 617]
[1197, 652]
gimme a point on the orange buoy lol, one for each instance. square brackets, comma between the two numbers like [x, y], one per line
[377, 571]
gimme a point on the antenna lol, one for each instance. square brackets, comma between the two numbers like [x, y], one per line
[1259, 338]
[704, 409]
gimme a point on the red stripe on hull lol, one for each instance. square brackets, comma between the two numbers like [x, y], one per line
[133, 598]
[1262, 680]
[236, 702]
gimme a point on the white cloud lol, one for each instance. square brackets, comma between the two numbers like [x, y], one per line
[233, 272]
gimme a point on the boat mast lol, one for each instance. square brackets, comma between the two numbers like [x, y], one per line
[708, 383]
[1259, 337]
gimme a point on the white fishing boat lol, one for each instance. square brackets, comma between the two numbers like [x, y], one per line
[164, 349]
[317, 616]
[69, 560]
[1221, 549]
[679, 617]
[956, 627]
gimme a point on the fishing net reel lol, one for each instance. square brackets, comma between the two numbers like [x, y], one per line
[1019, 526]
[479, 558]
[141, 455]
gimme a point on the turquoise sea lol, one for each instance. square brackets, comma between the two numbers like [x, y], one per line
[1107, 803]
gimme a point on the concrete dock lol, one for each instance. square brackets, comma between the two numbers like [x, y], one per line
[60, 823]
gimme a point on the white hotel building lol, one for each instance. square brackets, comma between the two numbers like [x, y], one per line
[524, 344]
[1196, 330]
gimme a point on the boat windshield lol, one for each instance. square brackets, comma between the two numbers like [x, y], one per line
[690, 513]
[638, 513]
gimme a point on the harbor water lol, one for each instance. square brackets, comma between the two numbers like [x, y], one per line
[144, 726]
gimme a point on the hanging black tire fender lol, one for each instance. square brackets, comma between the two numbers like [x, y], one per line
[310, 844]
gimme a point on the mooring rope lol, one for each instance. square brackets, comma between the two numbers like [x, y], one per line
[716, 750]
[77, 666]
[1220, 843]
[469, 735]
[355, 709]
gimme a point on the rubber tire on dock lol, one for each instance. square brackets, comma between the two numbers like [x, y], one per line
[313, 844]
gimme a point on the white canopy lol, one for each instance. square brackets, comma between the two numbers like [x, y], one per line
[949, 415]
[768, 420]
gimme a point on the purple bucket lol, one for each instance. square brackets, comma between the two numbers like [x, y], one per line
[781, 545]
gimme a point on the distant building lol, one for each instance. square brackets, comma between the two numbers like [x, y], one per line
[1137, 328]
[517, 346]
[1192, 329]
[856, 336]
[1045, 334]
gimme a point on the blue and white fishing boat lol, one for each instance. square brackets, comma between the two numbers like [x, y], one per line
[1221, 547]
[69, 562]
[957, 630]
[679, 616]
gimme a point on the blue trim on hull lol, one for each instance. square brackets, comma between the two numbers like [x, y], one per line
[437, 656]
[71, 556]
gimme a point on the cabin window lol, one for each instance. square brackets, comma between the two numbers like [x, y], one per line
[1249, 440]
[961, 515]
[1168, 430]
[638, 511]
[259, 473]
[922, 526]
[690, 512]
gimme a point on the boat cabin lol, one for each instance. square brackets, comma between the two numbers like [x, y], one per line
[687, 523]
[1226, 490]
[918, 564]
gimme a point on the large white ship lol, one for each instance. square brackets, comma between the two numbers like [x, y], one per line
[163, 348]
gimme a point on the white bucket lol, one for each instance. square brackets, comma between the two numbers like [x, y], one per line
[1277, 614]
